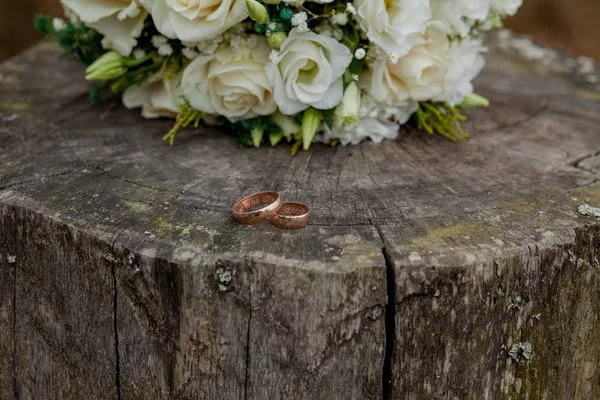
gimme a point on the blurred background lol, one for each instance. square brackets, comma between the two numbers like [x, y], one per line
[571, 25]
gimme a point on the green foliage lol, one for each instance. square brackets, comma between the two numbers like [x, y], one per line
[280, 20]
[84, 44]
[441, 118]
[78, 43]
[247, 130]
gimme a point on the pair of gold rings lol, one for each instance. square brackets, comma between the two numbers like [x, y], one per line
[265, 206]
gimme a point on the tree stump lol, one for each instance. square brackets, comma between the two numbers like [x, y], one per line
[430, 269]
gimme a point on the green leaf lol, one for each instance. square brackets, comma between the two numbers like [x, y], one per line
[328, 117]
[275, 138]
[257, 136]
[43, 23]
[311, 119]
[356, 65]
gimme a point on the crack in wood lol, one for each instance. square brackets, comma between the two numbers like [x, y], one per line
[115, 326]
[9, 185]
[545, 107]
[577, 162]
[14, 327]
[130, 181]
[387, 387]
[247, 362]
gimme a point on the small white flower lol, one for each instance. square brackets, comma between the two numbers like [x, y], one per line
[208, 47]
[11, 259]
[299, 21]
[360, 53]
[299, 18]
[189, 53]
[138, 54]
[350, 9]
[237, 42]
[165, 49]
[252, 42]
[58, 24]
[158, 40]
[392, 58]
[339, 19]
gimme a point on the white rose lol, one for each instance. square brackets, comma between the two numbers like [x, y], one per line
[232, 81]
[157, 99]
[393, 25]
[120, 21]
[307, 72]
[459, 15]
[195, 20]
[506, 7]
[465, 62]
[417, 76]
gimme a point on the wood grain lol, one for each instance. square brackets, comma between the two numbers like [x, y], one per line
[132, 280]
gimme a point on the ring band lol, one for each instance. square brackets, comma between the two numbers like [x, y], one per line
[245, 211]
[291, 216]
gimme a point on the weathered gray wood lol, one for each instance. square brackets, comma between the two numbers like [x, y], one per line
[7, 314]
[112, 229]
[62, 323]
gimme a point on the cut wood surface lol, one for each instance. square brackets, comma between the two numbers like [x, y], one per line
[429, 270]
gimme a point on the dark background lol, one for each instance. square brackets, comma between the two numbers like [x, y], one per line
[572, 25]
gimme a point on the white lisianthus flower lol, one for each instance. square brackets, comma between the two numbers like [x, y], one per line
[157, 99]
[120, 21]
[377, 121]
[307, 72]
[376, 129]
[506, 7]
[231, 82]
[393, 25]
[195, 21]
[418, 76]
[465, 62]
[459, 15]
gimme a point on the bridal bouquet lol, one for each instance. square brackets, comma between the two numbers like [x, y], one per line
[332, 71]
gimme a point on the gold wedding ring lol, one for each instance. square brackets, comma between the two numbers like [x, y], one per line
[291, 215]
[256, 208]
